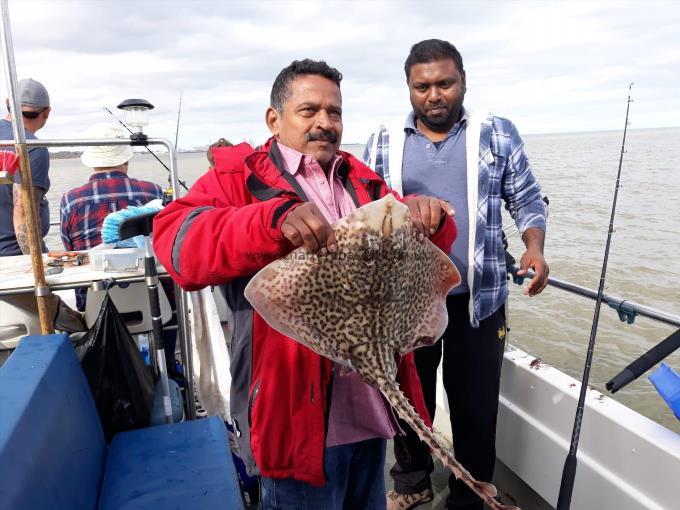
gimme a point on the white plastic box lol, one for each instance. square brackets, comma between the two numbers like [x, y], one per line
[116, 259]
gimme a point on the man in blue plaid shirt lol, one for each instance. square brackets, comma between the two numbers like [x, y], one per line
[476, 161]
[109, 189]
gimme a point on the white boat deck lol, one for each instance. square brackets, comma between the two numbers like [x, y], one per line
[625, 460]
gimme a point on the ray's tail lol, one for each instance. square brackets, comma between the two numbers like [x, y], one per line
[400, 403]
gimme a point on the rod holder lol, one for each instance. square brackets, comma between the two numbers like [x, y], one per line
[626, 312]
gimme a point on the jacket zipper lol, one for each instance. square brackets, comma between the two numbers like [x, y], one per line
[327, 410]
[251, 400]
[329, 397]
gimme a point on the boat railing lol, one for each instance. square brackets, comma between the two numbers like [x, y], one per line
[626, 308]
[61, 143]
[182, 297]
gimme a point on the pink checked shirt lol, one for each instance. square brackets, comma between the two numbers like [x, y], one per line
[358, 411]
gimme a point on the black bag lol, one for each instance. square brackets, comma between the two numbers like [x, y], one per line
[122, 385]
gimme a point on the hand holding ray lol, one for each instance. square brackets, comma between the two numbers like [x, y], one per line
[381, 295]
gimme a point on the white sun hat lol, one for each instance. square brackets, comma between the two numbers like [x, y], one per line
[104, 156]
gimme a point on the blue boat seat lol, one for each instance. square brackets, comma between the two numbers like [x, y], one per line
[53, 455]
[52, 449]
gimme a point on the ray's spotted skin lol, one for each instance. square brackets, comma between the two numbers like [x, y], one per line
[381, 295]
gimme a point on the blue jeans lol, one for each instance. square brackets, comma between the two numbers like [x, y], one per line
[355, 481]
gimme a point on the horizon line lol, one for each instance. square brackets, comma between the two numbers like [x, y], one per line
[199, 148]
[565, 132]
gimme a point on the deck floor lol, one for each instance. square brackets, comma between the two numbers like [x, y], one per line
[506, 483]
[440, 477]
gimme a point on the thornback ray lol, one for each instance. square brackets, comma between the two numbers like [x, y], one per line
[380, 296]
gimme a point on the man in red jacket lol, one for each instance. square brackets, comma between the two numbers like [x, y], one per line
[316, 436]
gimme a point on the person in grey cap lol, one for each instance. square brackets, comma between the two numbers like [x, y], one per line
[35, 110]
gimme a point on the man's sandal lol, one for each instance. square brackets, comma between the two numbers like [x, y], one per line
[396, 501]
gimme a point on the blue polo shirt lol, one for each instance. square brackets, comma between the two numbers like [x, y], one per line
[40, 165]
[440, 170]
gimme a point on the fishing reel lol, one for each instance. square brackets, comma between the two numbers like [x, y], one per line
[168, 195]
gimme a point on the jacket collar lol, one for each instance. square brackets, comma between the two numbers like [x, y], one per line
[269, 179]
[116, 174]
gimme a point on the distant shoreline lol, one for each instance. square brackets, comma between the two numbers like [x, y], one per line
[345, 146]
[77, 154]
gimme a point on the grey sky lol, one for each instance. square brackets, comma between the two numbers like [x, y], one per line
[548, 66]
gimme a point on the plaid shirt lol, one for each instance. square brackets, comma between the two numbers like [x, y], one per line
[504, 175]
[83, 209]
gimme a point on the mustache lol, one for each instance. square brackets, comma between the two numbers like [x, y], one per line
[321, 136]
[436, 107]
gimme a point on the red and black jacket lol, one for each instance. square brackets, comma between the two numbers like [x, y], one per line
[221, 233]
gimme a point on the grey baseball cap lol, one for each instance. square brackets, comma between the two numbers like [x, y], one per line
[33, 93]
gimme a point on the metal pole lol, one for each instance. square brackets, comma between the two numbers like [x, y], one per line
[152, 281]
[614, 301]
[42, 291]
[182, 307]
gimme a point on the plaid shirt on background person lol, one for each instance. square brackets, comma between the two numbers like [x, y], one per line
[504, 167]
[83, 209]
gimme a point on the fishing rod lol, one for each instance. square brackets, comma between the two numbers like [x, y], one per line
[147, 148]
[569, 470]
[179, 110]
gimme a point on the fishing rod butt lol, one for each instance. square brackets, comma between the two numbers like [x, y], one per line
[567, 483]
[641, 365]
[620, 380]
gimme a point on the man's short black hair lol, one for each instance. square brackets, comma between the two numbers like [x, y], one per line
[281, 87]
[432, 50]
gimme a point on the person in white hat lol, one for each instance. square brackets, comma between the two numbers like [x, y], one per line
[109, 189]
[35, 109]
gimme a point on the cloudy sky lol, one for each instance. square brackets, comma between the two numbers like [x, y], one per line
[548, 66]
